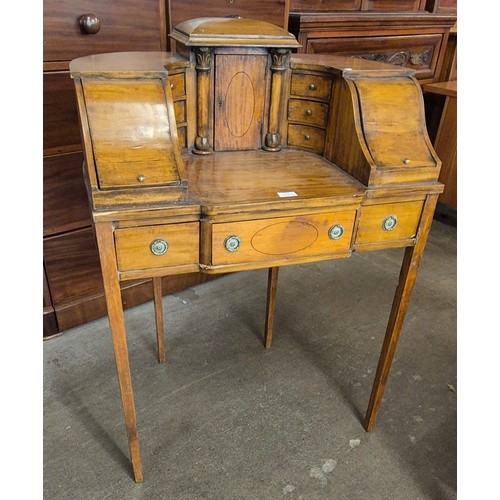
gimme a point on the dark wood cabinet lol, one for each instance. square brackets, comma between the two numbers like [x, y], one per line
[416, 40]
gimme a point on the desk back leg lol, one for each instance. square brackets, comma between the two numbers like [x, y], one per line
[272, 285]
[104, 233]
[158, 301]
[407, 277]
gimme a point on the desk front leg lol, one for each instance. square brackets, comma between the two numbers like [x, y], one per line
[105, 242]
[407, 277]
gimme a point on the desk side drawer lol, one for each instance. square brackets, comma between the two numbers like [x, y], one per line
[177, 85]
[305, 137]
[152, 247]
[388, 222]
[313, 86]
[281, 238]
[308, 112]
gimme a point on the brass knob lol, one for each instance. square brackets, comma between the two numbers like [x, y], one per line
[140, 178]
[172, 86]
[406, 161]
[158, 247]
[232, 243]
[336, 232]
[309, 112]
[389, 223]
[307, 137]
[90, 24]
[312, 86]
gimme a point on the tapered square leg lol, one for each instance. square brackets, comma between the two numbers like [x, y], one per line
[104, 233]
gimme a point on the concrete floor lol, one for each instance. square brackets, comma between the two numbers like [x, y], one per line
[224, 419]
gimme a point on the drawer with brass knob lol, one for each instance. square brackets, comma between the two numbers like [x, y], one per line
[388, 222]
[309, 85]
[96, 26]
[280, 238]
[166, 245]
[306, 137]
[308, 112]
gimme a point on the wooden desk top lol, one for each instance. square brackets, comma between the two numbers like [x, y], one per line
[442, 88]
[242, 180]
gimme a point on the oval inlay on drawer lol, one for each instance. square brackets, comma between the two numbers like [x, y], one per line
[284, 238]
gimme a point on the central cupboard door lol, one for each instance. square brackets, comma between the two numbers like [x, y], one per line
[240, 90]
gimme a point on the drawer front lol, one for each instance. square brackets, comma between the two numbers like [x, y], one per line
[308, 112]
[72, 265]
[65, 200]
[281, 238]
[61, 128]
[419, 52]
[389, 222]
[181, 136]
[310, 138]
[124, 25]
[395, 5]
[177, 85]
[324, 5]
[313, 86]
[151, 247]
[180, 111]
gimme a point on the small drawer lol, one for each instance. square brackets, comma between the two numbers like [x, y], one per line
[181, 136]
[311, 86]
[151, 247]
[308, 112]
[393, 5]
[389, 222]
[281, 238]
[310, 138]
[177, 85]
[180, 111]
[324, 5]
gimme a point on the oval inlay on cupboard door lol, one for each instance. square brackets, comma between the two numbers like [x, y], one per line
[284, 238]
[240, 102]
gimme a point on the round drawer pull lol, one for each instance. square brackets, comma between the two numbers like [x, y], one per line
[336, 232]
[140, 178]
[158, 247]
[390, 223]
[309, 112]
[232, 243]
[307, 137]
[90, 24]
[406, 161]
[312, 86]
[172, 86]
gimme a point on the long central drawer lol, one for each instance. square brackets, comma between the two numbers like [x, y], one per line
[280, 238]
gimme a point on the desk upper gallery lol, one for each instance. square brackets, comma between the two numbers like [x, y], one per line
[233, 154]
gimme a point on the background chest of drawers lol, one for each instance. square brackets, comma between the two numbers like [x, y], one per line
[396, 32]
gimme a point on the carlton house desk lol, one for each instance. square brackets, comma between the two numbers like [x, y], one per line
[234, 153]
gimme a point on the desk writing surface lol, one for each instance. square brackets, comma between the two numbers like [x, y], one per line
[244, 178]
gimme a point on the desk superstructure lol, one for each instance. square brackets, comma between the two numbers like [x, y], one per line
[235, 154]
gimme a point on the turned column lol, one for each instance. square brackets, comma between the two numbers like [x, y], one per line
[279, 60]
[203, 68]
